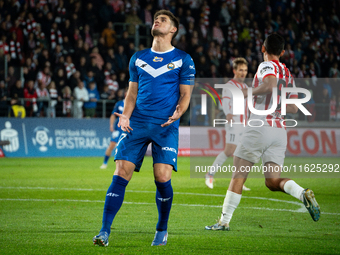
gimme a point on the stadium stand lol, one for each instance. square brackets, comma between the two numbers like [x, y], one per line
[57, 43]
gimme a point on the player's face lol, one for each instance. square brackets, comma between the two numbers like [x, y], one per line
[162, 26]
[241, 72]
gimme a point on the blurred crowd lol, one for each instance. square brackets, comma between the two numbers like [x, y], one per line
[72, 53]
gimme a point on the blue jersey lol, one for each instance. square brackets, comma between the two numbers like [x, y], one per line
[159, 75]
[119, 108]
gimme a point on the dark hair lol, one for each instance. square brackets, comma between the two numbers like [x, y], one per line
[274, 44]
[172, 17]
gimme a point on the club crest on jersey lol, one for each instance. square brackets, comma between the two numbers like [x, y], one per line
[171, 66]
[157, 59]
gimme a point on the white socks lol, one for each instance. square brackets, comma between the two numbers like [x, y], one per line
[220, 159]
[292, 188]
[231, 202]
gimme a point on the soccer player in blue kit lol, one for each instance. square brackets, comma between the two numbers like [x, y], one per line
[160, 87]
[116, 131]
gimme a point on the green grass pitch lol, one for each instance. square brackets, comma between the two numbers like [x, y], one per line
[54, 206]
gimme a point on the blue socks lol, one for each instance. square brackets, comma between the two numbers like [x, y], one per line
[164, 195]
[113, 201]
[106, 159]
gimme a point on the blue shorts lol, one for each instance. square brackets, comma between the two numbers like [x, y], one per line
[132, 146]
[115, 135]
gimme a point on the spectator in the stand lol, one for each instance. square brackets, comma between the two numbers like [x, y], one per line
[30, 95]
[182, 43]
[16, 92]
[98, 58]
[60, 80]
[31, 43]
[69, 67]
[11, 77]
[202, 68]
[54, 97]
[68, 48]
[42, 94]
[91, 105]
[110, 57]
[43, 58]
[56, 36]
[55, 55]
[109, 35]
[107, 94]
[88, 79]
[334, 72]
[67, 101]
[125, 40]
[90, 17]
[121, 58]
[82, 67]
[3, 100]
[106, 13]
[122, 81]
[87, 35]
[225, 15]
[217, 34]
[81, 95]
[133, 20]
[67, 30]
[44, 76]
[74, 79]
[94, 68]
[101, 46]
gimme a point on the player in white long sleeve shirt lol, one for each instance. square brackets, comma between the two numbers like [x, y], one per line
[233, 132]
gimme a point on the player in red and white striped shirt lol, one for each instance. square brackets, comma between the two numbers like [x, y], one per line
[233, 133]
[266, 142]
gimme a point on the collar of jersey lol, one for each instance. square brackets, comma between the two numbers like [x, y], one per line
[158, 52]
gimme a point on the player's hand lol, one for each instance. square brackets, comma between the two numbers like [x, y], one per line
[111, 128]
[124, 122]
[176, 115]
[230, 117]
[245, 92]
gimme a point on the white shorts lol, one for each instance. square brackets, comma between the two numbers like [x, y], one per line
[233, 134]
[268, 143]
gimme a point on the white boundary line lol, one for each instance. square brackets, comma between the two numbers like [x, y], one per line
[302, 208]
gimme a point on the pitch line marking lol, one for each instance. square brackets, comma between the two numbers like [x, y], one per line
[301, 209]
[145, 203]
[147, 191]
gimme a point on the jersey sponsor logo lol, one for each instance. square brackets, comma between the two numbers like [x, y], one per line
[171, 66]
[157, 59]
[169, 149]
[266, 68]
[163, 199]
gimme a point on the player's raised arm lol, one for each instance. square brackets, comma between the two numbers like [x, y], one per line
[130, 102]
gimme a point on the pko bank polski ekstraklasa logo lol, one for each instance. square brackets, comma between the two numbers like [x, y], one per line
[41, 138]
[238, 102]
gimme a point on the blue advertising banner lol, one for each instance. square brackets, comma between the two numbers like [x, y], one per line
[61, 137]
